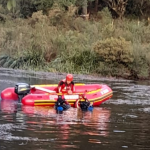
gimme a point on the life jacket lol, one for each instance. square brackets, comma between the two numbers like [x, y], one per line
[64, 87]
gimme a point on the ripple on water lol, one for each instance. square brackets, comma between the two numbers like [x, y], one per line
[146, 109]
[118, 127]
[6, 129]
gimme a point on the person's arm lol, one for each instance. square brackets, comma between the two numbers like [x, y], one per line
[73, 87]
[60, 86]
[72, 90]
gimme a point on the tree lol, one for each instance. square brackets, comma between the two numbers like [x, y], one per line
[118, 6]
[143, 7]
[83, 4]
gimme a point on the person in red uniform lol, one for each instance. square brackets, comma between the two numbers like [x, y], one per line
[66, 85]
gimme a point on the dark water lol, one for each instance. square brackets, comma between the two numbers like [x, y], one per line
[123, 122]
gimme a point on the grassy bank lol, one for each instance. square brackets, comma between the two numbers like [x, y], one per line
[63, 42]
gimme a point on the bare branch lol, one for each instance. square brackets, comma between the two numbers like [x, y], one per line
[119, 6]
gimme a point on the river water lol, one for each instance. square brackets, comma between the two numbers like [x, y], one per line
[123, 122]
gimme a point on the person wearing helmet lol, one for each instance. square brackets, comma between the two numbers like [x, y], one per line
[66, 85]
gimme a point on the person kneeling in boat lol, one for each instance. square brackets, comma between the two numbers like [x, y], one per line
[66, 85]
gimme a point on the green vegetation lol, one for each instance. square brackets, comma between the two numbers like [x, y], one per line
[61, 36]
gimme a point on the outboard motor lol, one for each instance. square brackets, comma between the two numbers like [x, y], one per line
[22, 89]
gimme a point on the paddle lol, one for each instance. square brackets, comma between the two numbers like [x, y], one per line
[43, 89]
[51, 91]
[66, 96]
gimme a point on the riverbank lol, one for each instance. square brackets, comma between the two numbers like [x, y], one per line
[56, 75]
[67, 43]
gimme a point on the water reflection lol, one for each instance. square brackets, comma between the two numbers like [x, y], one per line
[65, 129]
[8, 106]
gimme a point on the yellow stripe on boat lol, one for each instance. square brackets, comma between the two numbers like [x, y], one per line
[102, 97]
[94, 91]
[73, 101]
[36, 104]
[49, 85]
[43, 100]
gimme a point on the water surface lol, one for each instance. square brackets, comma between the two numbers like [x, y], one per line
[120, 123]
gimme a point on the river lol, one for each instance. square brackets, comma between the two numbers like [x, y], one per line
[119, 123]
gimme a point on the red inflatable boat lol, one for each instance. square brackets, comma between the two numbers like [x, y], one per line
[43, 95]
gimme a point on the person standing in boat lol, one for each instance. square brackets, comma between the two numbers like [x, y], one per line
[66, 85]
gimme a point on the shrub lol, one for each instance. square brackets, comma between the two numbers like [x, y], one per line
[112, 69]
[140, 65]
[114, 50]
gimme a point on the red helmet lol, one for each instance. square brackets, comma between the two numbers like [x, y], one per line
[69, 77]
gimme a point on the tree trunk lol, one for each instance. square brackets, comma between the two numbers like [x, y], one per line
[96, 5]
[84, 7]
[84, 10]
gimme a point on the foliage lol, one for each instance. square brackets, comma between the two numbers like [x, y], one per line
[114, 50]
[25, 8]
[118, 7]
[53, 37]
[11, 4]
[138, 8]
[141, 56]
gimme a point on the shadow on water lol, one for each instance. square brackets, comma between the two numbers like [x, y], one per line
[120, 123]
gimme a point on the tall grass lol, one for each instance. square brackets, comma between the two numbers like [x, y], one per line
[64, 43]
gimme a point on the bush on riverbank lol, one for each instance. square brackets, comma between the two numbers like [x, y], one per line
[64, 42]
[114, 53]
